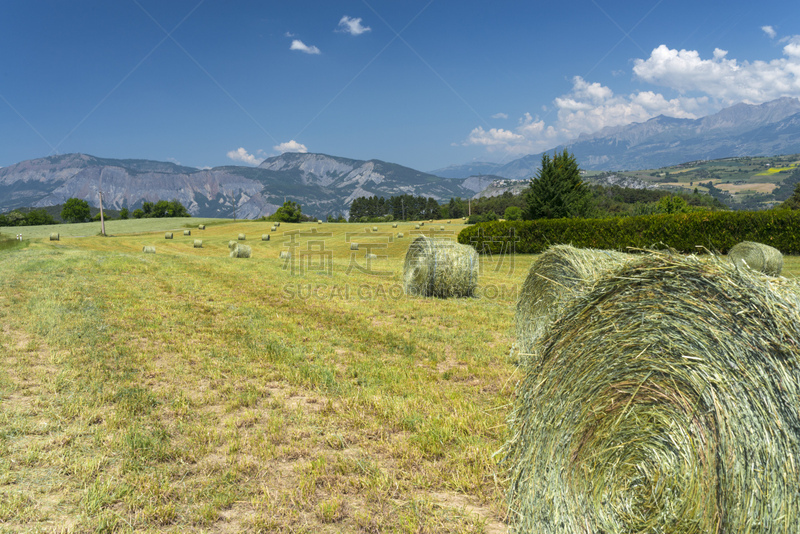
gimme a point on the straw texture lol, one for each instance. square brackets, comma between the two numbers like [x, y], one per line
[241, 251]
[757, 256]
[440, 268]
[560, 274]
[666, 401]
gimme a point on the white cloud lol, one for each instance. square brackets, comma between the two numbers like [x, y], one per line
[500, 116]
[770, 31]
[352, 26]
[723, 79]
[242, 155]
[297, 44]
[291, 146]
[288, 34]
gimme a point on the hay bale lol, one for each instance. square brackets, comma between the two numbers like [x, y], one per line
[416, 227]
[665, 401]
[560, 274]
[440, 268]
[241, 237]
[55, 237]
[399, 234]
[285, 255]
[430, 220]
[273, 228]
[422, 223]
[240, 251]
[394, 225]
[319, 221]
[441, 228]
[198, 243]
[757, 256]
[264, 237]
[168, 235]
[201, 227]
[372, 256]
[277, 224]
[374, 228]
[149, 250]
[353, 246]
[187, 232]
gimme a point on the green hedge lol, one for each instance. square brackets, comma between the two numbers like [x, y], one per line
[685, 232]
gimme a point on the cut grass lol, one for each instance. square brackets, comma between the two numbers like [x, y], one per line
[182, 392]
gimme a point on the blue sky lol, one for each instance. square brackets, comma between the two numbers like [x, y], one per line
[422, 83]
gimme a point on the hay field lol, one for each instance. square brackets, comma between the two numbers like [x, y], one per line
[188, 391]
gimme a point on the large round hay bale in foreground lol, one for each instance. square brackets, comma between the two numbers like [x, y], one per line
[148, 250]
[187, 232]
[55, 237]
[665, 401]
[168, 235]
[757, 256]
[241, 251]
[264, 237]
[440, 268]
[560, 274]
[198, 243]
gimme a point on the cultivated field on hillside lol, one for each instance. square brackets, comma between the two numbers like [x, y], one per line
[189, 391]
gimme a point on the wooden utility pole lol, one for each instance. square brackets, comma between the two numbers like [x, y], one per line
[102, 219]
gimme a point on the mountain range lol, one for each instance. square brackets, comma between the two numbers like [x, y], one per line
[741, 130]
[321, 184]
[324, 184]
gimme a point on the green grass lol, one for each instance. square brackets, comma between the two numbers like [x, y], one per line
[186, 391]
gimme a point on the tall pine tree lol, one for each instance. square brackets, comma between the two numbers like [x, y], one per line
[557, 191]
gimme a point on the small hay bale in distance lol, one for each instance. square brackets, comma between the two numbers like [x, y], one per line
[394, 225]
[277, 224]
[198, 243]
[55, 236]
[659, 406]
[416, 227]
[285, 255]
[201, 227]
[241, 251]
[187, 232]
[558, 275]
[422, 223]
[148, 250]
[441, 228]
[372, 256]
[374, 228]
[242, 237]
[264, 237]
[430, 220]
[168, 235]
[353, 246]
[440, 268]
[399, 235]
[757, 256]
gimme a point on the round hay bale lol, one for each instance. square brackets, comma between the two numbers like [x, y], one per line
[430, 220]
[448, 222]
[394, 225]
[422, 223]
[55, 237]
[277, 224]
[240, 251]
[319, 221]
[416, 227]
[168, 235]
[241, 237]
[441, 228]
[400, 234]
[285, 255]
[187, 232]
[374, 228]
[372, 256]
[149, 250]
[560, 274]
[353, 246]
[198, 243]
[665, 401]
[273, 228]
[463, 218]
[757, 256]
[440, 268]
[201, 227]
[264, 237]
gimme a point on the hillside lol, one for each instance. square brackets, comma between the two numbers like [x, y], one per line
[321, 184]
